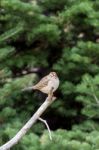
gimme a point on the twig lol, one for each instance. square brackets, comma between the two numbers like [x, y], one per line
[29, 124]
[92, 91]
[94, 95]
[45, 122]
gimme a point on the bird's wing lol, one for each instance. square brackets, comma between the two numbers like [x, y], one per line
[42, 83]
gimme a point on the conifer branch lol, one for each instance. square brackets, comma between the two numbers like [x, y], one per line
[11, 33]
[29, 124]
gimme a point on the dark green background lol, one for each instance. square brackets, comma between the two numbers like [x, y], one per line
[39, 36]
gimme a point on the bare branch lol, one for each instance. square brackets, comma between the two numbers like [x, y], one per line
[29, 124]
[45, 122]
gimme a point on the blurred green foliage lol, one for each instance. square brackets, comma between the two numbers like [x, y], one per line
[37, 37]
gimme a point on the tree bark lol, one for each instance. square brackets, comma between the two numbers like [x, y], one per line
[29, 124]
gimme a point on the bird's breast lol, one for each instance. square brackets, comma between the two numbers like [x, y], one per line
[54, 83]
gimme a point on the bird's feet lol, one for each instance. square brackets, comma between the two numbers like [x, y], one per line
[51, 95]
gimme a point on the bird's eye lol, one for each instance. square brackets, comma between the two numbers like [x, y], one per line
[51, 75]
[54, 74]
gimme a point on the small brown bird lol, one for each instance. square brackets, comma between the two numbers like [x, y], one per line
[47, 83]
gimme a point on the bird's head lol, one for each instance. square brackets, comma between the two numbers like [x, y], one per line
[52, 75]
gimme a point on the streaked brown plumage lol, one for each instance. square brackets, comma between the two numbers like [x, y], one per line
[46, 84]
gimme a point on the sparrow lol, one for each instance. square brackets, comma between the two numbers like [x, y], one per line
[46, 84]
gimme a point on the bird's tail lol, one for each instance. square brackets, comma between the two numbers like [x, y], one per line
[28, 88]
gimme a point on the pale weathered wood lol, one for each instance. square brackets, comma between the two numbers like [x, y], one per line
[29, 124]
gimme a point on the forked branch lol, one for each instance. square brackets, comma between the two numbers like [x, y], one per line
[29, 124]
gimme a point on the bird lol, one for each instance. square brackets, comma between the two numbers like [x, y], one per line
[46, 84]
